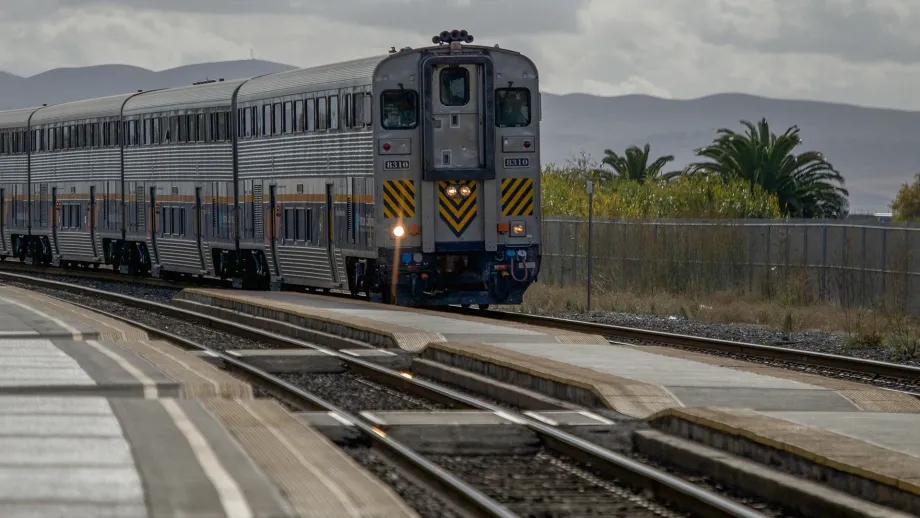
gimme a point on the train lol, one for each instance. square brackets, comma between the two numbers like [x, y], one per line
[412, 177]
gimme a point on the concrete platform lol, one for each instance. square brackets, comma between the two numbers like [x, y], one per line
[585, 369]
[51, 347]
[872, 455]
[97, 420]
[395, 327]
[126, 457]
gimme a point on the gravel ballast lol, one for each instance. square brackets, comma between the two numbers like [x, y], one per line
[814, 341]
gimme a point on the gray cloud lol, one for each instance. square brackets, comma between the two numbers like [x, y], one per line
[858, 31]
[860, 51]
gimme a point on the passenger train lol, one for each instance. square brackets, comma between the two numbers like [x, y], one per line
[413, 177]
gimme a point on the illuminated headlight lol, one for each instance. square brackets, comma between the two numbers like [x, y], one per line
[451, 190]
[399, 231]
[465, 191]
[518, 229]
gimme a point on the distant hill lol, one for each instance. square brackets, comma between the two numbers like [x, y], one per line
[875, 149]
[73, 84]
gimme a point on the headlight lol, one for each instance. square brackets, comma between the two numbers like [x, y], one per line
[399, 231]
[465, 191]
[518, 229]
[451, 190]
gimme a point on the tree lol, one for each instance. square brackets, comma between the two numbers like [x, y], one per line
[806, 184]
[634, 165]
[906, 205]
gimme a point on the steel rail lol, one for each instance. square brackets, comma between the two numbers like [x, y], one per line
[666, 486]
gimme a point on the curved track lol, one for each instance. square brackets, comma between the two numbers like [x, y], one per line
[666, 487]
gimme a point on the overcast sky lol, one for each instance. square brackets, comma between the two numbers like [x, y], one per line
[858, 51]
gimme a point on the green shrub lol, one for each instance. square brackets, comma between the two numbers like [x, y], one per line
[690, 197]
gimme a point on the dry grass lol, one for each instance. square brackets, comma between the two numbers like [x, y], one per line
[865, 328]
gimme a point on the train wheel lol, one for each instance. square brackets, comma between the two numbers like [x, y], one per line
[465, 306]
[483, 307]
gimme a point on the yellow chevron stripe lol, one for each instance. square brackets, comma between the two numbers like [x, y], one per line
[517, 197]
[458, 212]
[398, 199]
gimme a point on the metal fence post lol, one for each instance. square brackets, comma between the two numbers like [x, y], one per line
[590, 233]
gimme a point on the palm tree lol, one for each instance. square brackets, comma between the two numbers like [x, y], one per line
[634, 165]
[806, 184]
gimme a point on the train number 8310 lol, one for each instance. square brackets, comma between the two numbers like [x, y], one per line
[517, 162]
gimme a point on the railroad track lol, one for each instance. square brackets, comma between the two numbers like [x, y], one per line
[893, 376]
[564, 452]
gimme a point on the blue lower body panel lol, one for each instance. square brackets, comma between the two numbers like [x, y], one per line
[466, 276]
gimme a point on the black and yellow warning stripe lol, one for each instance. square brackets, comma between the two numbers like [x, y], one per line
[458, 212]
[398, 199]
[517, 197]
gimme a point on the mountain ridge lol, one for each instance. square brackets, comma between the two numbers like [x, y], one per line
[875, 148]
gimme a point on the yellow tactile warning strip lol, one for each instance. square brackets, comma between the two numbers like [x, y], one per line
[196, 377]
[822, 447]
[109, 329]
[865, 397]
[629, 397]
[316, 477]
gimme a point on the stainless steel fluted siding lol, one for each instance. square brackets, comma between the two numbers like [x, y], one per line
[73, 244]
[77, 165]
[305, 261]
[178, 252]
[211, 161]
[186, 97]
[78, 110]
[309, 154]
[10, 119]
[338, 75]
[14, 168]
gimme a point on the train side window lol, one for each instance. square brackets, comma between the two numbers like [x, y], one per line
[202, 127]
[298, 116]
[455, 86]
[266, 119]
[322, 113]
[311, 114]
[288, 125]
[277, 119]
[334, 112]
[247, 122]
[399, 109]
[512, 107]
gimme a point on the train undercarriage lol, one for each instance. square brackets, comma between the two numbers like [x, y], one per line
[410, 277]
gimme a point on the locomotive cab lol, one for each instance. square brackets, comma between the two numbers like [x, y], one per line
[457, 175]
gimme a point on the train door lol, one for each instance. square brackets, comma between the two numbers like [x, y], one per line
[274, 222]
[91, 220]
[197, 223]
[55, 216]
[330, 230]
[3, 219]
[154, 220]
[457, 119]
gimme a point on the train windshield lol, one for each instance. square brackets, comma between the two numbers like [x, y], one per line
[512, 107]
[399, 109]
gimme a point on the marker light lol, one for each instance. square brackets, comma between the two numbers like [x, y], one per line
[465, 191]
[407, 258]
[399, 231]
[386, 146]
[418, 257]
[517, 229]
[451, 190]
